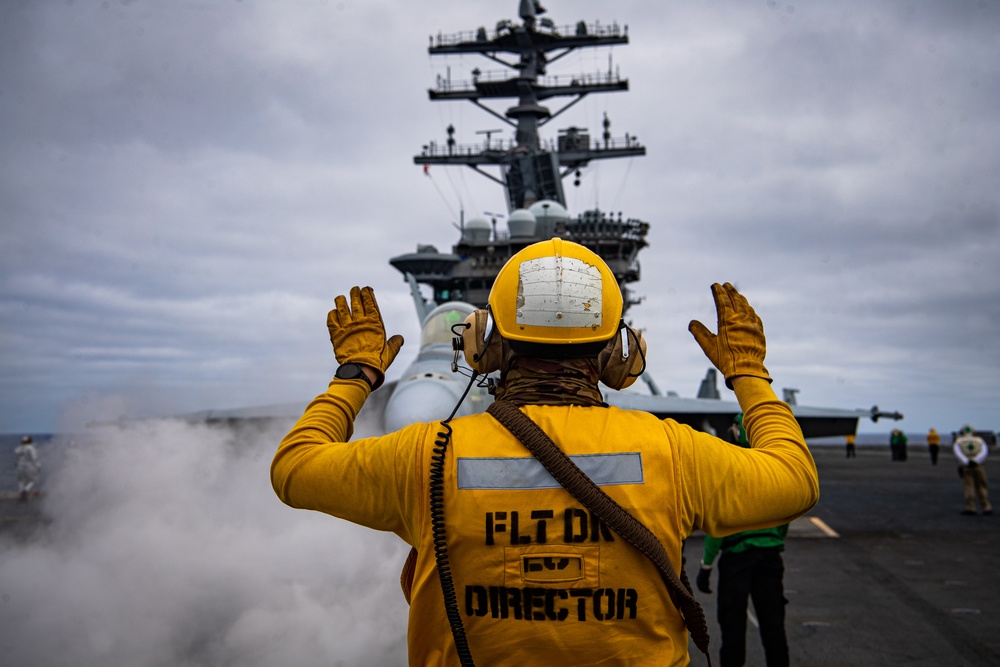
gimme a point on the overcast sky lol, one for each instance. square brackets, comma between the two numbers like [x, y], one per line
[186, 185]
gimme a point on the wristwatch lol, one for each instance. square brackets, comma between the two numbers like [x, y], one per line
[352, 371]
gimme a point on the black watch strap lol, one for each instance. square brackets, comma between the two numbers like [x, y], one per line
[351, 371]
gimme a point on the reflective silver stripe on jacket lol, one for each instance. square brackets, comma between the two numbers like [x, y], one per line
[528, 473]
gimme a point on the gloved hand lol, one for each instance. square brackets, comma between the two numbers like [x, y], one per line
[358, 335]
[739, 347]
[703, 580]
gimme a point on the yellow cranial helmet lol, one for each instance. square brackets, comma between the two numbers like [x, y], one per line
[556, 292]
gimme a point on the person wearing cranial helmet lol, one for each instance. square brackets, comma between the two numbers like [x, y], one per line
[554, 329]
[971, 451]
[495, 539]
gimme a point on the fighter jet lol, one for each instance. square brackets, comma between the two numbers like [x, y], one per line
[432, 386]
[429, 389]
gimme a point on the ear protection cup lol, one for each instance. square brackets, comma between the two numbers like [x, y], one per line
[623, 359]
[481, 343]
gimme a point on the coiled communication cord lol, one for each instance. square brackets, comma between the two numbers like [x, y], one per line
[436, 488]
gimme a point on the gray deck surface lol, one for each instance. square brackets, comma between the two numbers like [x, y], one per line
[909, 580]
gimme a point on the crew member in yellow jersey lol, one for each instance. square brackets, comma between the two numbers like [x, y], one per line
[933, 445]
[536, 578]
[852, 453]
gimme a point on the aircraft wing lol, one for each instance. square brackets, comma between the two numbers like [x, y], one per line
[715, 416]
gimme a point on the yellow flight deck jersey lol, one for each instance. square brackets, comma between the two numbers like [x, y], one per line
[539, 580]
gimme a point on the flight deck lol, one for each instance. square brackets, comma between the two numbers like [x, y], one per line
[904, 578]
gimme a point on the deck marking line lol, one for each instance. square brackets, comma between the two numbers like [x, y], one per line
[819, 523]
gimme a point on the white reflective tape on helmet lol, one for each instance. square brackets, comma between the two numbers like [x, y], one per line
[557, 291]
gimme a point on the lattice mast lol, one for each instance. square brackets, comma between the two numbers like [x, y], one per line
[531, 169]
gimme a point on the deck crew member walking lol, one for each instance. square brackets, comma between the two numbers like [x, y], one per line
[897, 442]
[750, 567]
[933, 445]
[851, 451]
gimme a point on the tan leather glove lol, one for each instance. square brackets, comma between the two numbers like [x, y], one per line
[358, 335]
[738, 349]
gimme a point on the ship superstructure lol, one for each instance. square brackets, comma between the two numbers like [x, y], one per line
[530, 168]
[531, 171]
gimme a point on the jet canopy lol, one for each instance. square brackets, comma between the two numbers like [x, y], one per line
[438, 323]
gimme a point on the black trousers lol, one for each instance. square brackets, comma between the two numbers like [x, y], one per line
[756, 574]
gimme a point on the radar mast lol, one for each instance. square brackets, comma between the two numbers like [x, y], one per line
[531, 169]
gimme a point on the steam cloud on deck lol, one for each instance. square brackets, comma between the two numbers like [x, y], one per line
[167, 546]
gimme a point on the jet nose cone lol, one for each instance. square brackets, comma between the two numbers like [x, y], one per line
[422, 399]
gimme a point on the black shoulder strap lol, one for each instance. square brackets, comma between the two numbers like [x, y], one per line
[614, 515]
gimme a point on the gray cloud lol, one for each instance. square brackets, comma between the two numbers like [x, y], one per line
[186, 186]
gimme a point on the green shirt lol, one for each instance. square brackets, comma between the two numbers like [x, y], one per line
[748, 539]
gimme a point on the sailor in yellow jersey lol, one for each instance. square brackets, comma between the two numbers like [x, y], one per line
[933, 445]
[537, 578]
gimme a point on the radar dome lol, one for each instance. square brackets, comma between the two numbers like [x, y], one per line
[521, 223]
[548, 213]
[476, 229]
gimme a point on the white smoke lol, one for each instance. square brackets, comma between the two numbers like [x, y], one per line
[167, 546]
